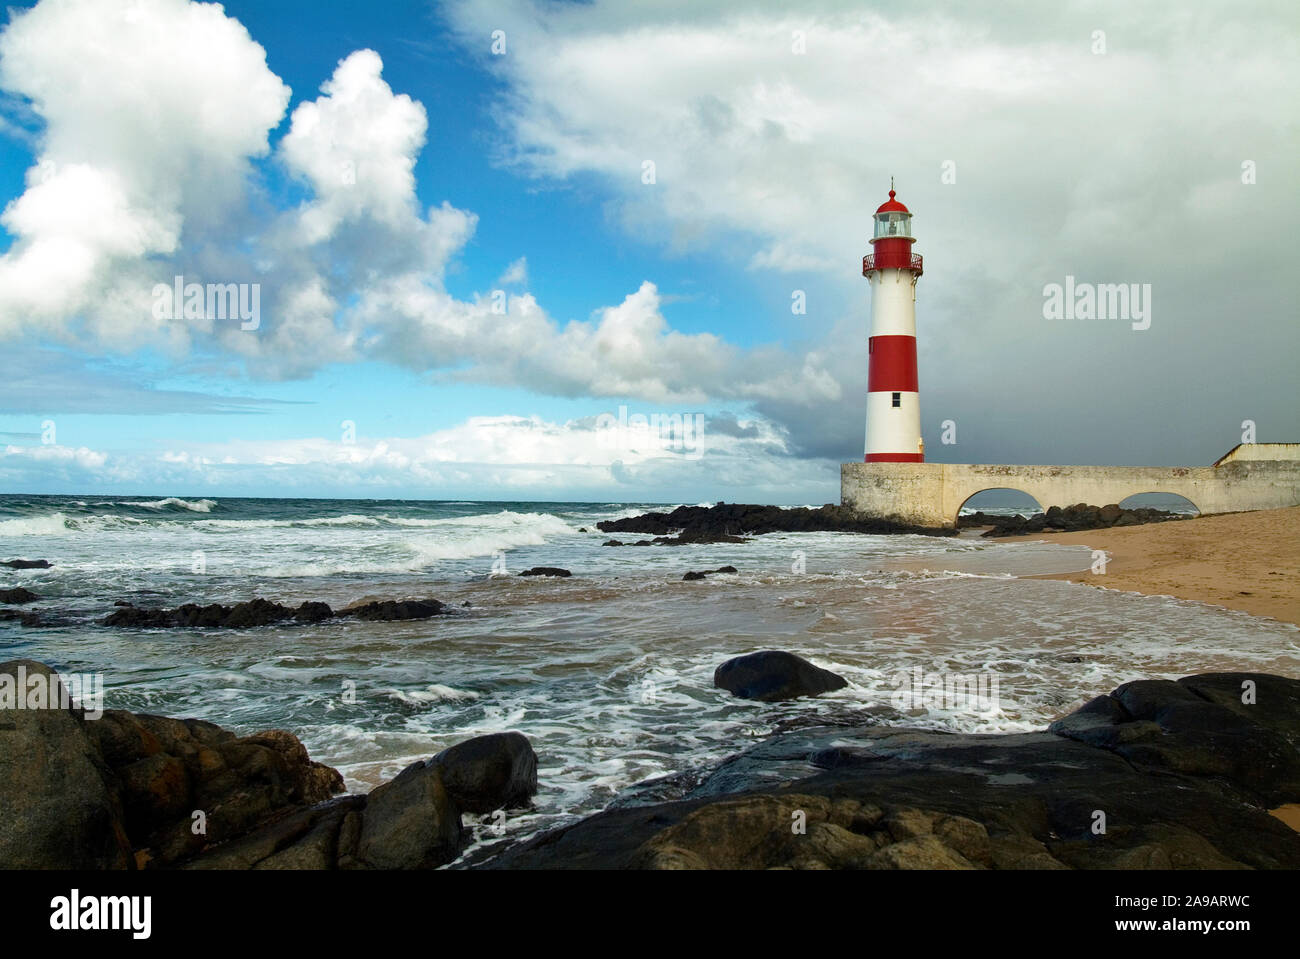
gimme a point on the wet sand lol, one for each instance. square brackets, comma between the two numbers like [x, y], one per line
[1244, 561]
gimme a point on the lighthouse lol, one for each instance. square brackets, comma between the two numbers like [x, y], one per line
[893, 400]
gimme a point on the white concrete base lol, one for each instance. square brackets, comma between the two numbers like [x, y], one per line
[931, 494]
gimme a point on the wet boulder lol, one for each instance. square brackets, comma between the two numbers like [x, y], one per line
[774, 675]
[486, 773]
[409, 822]
[693, 575]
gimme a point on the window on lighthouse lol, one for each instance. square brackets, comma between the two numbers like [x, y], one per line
[893, 224]
[898, 401]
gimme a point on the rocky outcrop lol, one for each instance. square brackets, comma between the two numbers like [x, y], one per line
[388, 609]
[774, 675]
[413, 821]
[1155, 775]
[703, 574]
[730, 522]
[169, 770]
[122, 789]
[26, 563]
[257, 612]
[17, 596]
[261, 612]
[1067, 519]
[546, 571]
[130, 790]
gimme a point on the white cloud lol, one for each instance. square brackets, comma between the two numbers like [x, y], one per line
[628, 350]
[516, 273]
[152, 111]
[356, 146]
[524, 456]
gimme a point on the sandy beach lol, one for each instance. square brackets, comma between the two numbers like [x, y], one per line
[1245, 561]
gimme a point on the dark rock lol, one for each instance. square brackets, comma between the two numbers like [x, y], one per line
[731, 522]
[307, 839]
[17, 615]
[1080, 516]
[546, 571]
[705, 573]
[412, 822]
[313, 612]
[256, 612]
[168, 768]
[135, 616]
[612, 542]
[486, 773]
[27, 563]
[58, 807]
[1200, 726]
[1014, 525]
[261, 612]
[774, 675]
[409, 822]
[388, 609]
[17, 595]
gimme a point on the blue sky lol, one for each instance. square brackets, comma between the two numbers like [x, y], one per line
[214, 159]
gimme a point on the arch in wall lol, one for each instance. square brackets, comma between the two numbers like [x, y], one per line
[1008, 494]
[1160, 499]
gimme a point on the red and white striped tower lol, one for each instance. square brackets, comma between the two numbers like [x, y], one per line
[893, 401]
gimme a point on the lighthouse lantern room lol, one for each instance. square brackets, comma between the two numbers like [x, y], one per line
[893, 399]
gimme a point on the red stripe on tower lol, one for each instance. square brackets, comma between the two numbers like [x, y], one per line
[893, 391]
[892, 363]
[894, 458]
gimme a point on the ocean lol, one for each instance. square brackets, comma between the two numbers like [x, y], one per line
[609, 672]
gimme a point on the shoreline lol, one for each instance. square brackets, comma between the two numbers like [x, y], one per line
[1249, 562]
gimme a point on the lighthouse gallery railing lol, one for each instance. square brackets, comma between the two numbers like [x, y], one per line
[891, 261]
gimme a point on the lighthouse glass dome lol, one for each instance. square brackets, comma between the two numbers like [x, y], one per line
[893, 223]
